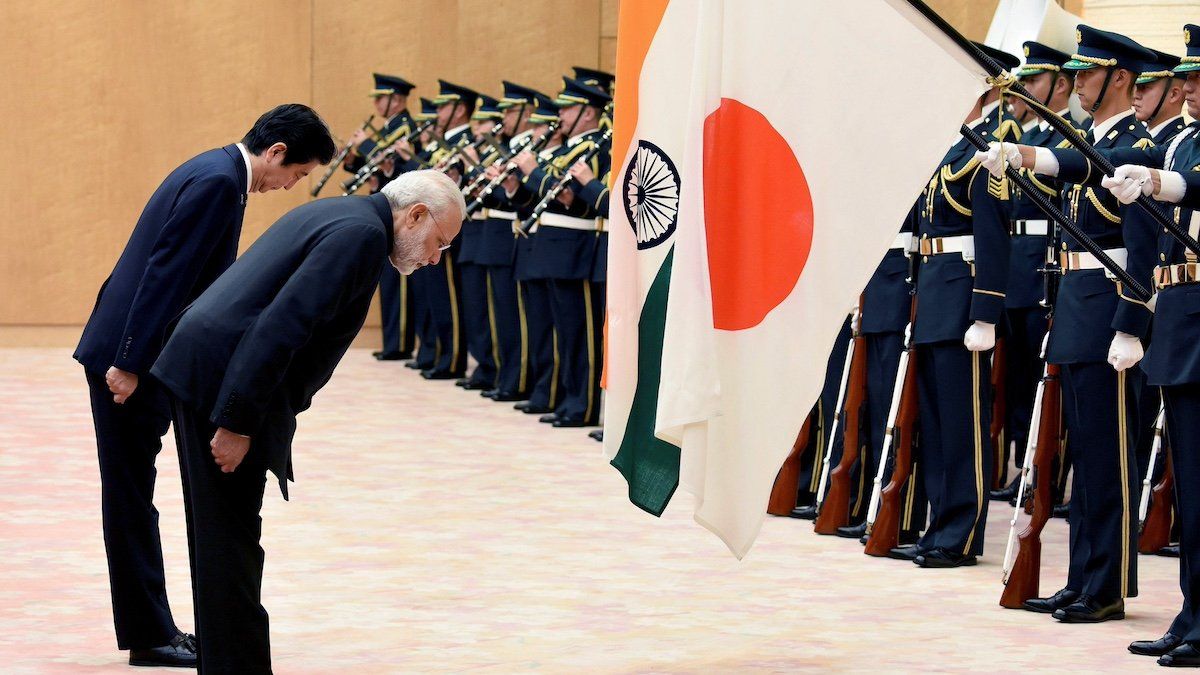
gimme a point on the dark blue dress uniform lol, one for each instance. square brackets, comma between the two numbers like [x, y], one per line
[441, 285]
[477, 308]
[962, 227]
[395, 301]
[426, 352]
[185, 238]
[564, 252]
[497, 248]
[1172, 361]
[886, 304]
[1026, 317]
[534, 287]
[823, 414]
[1100, 405]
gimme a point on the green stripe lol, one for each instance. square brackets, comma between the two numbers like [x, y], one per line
[649, 465]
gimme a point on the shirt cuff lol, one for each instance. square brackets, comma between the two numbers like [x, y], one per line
[1044, 162]
[1173, 187]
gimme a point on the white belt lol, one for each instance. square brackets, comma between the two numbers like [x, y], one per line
[500, 215]
[1082, 260]
[516, 227]
[903, 241]
[1037, 228]
[479, 215]
[963, 245]
[567, 222]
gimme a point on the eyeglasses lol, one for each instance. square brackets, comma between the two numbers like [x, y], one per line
[437, 226]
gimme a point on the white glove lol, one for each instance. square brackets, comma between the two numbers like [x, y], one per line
[980, 337]
[997, 156]
[1125, 351]
[855, 320]
[1129, 182]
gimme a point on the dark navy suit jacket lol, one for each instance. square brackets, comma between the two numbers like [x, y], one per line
[186, 236]
[254, 348]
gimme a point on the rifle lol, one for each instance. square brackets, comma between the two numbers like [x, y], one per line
[883, 514]
[787, 482]
[999, 408]
[834, 511]
[1022, 576]
[1155, 519]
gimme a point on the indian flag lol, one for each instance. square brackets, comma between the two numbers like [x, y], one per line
[767, 151]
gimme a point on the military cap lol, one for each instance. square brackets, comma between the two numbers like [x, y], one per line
[1097, 48]
[516, 94]
[546, 111]
[575, 92]
[595, 78]
[488, 109]
[449, 92]
[1040, 58]
[428, 111]
[1191, 40]
[1161, 68]
[1006, 60]
[386, 85]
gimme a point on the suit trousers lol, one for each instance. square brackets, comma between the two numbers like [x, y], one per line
[511, 330]
[477, 324]
[1182, 404]
[578, 308]
[396, 311]
[128, 438]
[1100, 410]
[224, 531]
[955, 411]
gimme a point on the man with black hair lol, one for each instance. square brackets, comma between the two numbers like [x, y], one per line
[185, 238]
[1158, 98]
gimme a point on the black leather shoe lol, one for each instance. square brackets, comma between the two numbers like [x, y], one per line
[507, 396]
[852, 531]
[179, 653]
[548, 419]
[1162, 645]
[440, 375]
[415, 366]
[940, 558]
[530, 409]
[909, 553]
[1089, 610]
[1183, 656]
[597, 435]
[1061, 511]
[477, 386]
[804, 512]
[1171, 551]
[390, 356]
[1007, 493]
[1047, 605]
[461, 382]
[560, 422]
[489, 393]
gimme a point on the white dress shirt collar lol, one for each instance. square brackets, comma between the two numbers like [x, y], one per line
[246, 158]
[1101, 129]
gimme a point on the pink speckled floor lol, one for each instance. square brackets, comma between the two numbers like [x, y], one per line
[431, 530]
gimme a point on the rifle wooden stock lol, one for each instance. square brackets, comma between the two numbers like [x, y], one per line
[999, 409]
[885, 531]
[787, 482]
[1156, 529]
[1025, 576]
[835, 509]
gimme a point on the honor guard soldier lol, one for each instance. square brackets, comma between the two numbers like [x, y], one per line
[395, 301]
[1097, 333]
[600, 80]
[1158, 98]
[565, 251]
[496, 251]
[532, 283]
[476, 301]
[442, 285]
[1042, 75]
[962, 228]
[886, 305]
[425, 355]
[1173, 360]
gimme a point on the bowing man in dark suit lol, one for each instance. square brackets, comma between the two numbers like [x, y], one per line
[249, 354]
[186, 236]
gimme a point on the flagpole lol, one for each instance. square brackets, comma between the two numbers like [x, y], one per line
[1004, 79]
